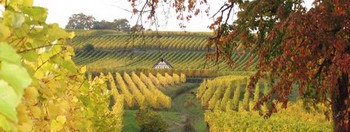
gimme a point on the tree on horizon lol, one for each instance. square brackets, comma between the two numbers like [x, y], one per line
[80, 21]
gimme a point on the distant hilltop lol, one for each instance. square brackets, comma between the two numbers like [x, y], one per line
[145, 33]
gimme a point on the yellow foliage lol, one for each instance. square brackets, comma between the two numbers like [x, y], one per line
[57, 124]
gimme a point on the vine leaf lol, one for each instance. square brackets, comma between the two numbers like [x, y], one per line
[58, 123]
[5, 32]
[8, 101]
[17, 20]
[21, 79]
[4, 124]
[6, 51]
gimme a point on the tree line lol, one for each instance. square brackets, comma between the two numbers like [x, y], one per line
[87, 22]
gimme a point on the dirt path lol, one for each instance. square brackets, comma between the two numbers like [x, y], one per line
[189, 108]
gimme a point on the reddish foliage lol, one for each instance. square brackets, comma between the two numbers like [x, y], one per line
[314, 52]
[295, 46]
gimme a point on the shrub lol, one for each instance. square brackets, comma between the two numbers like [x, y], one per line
[150, 121]
[88, 47]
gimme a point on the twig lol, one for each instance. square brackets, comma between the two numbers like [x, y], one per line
[43, 46]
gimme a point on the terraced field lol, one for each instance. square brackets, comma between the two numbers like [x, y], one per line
[186, 52]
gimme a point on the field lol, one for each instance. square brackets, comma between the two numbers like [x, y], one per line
[205, 104]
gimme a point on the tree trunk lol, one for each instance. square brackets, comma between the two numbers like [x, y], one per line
[339, 108]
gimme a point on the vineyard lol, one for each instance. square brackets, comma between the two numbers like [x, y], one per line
[109, 39]
[77, 79]
[225, 100]
[140, 90]
[229, 106]
[186, 52]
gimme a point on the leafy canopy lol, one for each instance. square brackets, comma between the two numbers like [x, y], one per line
[308, 49]
[41, 89]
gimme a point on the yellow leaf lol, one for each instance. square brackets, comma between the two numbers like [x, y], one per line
[23, 115]
[61, 119]
[83, 69]
[53, 110]
[36, 111]
[5, 32]
[25, 127]
[28, 3]
[71, 35]
[58, 123]
[75, 99]
[63, 107]
[31, 93]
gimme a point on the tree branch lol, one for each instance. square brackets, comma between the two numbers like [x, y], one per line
[47, 61]
[43, 46]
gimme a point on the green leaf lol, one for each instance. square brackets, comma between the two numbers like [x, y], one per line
[67, 64]
[38, 14]
[56, 32]
[30, 56]
[8, 101]
[85, 100]
[13, 19]
[17, 20]
[7, 53]
[5, 32]
[4, 124]
[16, 75]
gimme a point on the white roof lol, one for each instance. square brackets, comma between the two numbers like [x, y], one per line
[162, 65]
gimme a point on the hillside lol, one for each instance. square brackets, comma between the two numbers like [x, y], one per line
[185, 51]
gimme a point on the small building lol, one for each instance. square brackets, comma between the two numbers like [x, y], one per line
[162, 64]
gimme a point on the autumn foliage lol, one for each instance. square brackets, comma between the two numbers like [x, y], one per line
[311, 49]
[298, 46]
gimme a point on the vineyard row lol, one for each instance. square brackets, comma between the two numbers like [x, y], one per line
[140, 90]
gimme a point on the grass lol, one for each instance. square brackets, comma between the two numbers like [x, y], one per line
[188, 105]
[184, 105]
[130, 124]
[176, 90]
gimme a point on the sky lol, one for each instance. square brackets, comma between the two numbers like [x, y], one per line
[61, 10]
